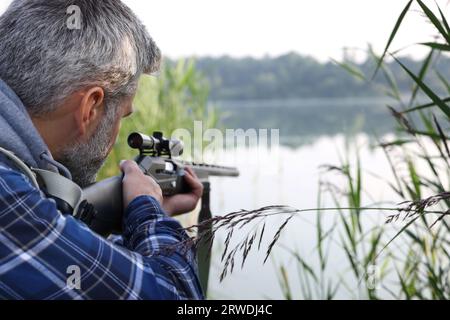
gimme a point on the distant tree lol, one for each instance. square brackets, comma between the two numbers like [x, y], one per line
[295, 76]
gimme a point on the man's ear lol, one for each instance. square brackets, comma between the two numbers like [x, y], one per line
[90, 110]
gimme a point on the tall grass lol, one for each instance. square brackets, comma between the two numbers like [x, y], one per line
[408, 257]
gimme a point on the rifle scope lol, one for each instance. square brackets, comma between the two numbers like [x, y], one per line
[156, 144]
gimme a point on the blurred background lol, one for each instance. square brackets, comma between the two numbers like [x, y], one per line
[305, 68]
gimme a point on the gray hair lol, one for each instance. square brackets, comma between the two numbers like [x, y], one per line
[44, 61]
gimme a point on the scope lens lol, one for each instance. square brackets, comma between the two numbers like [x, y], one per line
[135, 141]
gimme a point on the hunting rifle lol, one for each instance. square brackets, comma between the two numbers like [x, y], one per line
[102, 208]
[156, 160]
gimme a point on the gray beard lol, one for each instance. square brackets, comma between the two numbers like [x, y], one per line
[83, 164]
[84, 160]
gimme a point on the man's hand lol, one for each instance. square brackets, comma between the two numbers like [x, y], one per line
[136, 183]
[186, 202]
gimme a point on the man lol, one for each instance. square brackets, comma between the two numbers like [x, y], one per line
[63, 93]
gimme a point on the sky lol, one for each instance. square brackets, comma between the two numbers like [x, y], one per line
[318, 28]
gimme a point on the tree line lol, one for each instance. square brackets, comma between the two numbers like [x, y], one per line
[296, 76]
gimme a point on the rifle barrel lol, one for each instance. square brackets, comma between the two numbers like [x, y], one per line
[213, 170]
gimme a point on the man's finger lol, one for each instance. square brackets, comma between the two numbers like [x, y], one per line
[191, 171]
[195, 184]
[128, 166]
[192, 178]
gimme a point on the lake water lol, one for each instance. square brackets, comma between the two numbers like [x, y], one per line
[302, 121]
[313, 133]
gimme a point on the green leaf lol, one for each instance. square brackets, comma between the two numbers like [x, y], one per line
[422, 73]
[442, 135]
[392, 83]
[398, 142]
[350, 69]
[397, 234]
[392, 36]
[425, 106]
[444, 21]
[434, 20]
[414, 178]
[441, 104]
[428, 134]
[437, 46]
[444, 81]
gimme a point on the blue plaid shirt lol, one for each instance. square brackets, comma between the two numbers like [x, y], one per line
[40, 248]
